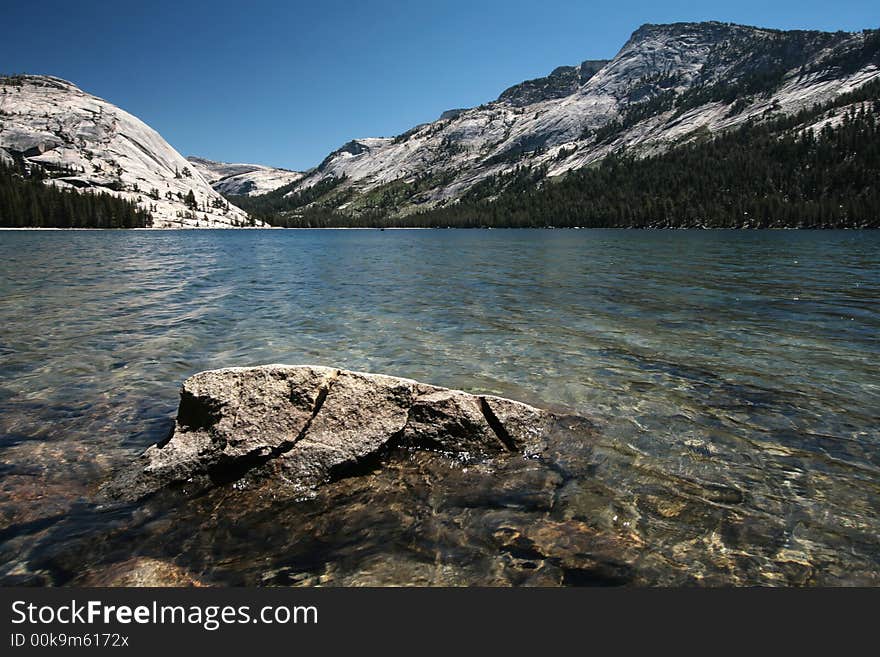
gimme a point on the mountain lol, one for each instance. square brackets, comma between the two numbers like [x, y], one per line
[78, 141]
[243, 179]
[669, 86]
[814, 169]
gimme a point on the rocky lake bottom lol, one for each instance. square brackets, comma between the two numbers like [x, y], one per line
[716, 391]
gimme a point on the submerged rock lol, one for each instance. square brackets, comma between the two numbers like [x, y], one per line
[420, 485]
[141, 571]
[306, 425]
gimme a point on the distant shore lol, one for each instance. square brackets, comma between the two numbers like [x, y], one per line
[163, 230]
[281, 228]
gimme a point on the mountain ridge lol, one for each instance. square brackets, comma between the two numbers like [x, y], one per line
[668, 84]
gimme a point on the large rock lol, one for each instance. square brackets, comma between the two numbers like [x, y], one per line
[306, 425]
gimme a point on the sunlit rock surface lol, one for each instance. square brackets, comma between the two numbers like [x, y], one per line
[238, 179]
[86, 143]
[303, 425]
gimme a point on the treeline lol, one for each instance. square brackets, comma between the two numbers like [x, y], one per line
[321, 217]
[27, 202]
[774, 173]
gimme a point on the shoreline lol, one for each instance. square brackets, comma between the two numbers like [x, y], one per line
[224, 230]
[380, 228]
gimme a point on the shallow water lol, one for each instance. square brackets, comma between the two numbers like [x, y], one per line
[731, 376]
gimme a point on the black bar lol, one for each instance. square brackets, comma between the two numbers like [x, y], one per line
[414, 621]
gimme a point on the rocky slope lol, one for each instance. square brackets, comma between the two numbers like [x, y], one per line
[242, 179]
[668, 85]
[87, 143]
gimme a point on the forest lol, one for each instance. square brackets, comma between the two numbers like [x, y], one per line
[26, 201]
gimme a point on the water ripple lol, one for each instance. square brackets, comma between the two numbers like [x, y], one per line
[748, 356]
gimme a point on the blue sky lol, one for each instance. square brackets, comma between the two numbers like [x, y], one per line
[284, 83]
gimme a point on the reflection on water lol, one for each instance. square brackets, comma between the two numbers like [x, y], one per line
[731, 377]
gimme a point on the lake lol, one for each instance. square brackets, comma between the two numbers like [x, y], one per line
[747, 359]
